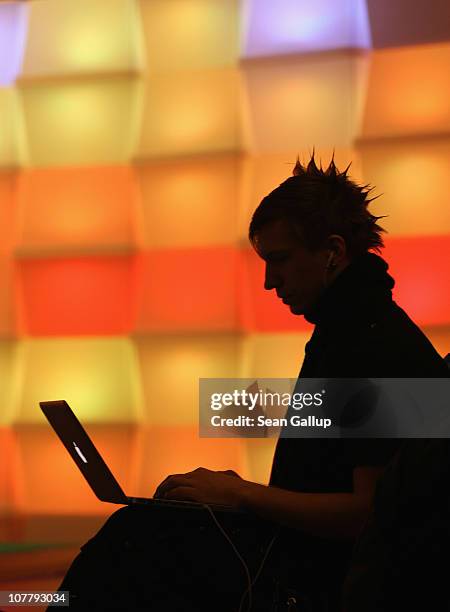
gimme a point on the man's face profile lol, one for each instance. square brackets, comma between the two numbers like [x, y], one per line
[295, 272]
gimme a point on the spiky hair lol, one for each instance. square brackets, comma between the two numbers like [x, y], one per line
[319, 202]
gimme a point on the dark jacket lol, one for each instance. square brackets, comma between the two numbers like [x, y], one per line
[359, 332]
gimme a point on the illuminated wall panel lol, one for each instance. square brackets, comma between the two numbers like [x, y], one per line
[414, 180]
[303, 102]
[11, 134]
[189, 202]
[178, 449]
[262, 173]
[11, 486]
[13, 30]
[190, 34]
[97, 376]
[171, 367]
[259, 454]
[290, 26]
[92, 121]
[191, 112]
[420, 267]
[9, 375]
[8, 306]
[7, 210]
[398, 101]
[86, 36]
[75, 296]
[64, 208]
[188, 289]
[52, 482]
[273, 355]
[261, 310]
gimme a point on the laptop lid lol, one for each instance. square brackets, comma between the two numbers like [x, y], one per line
[83, 452]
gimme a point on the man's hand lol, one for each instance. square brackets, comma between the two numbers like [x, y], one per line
[204, 486]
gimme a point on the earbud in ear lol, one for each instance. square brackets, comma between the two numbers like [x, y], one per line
[330, 262]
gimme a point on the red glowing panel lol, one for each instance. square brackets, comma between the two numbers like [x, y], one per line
[176, 450]
[418, 264]
[188, 289]
[420, 268]
[75, 296]
[261, 310]
[52, 483]
[62, 208]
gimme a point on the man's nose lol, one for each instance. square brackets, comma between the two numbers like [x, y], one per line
[271, 279]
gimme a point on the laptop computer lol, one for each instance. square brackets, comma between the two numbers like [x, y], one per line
[92, 465]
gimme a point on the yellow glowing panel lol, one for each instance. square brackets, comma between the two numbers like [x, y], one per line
[178, 449]
[414, 181]
[97, 376]
[66, 37]
[11, 132]
[52, 483]
[264, 172]
[170, 370]
[190, 34]
[273, 355]
[8, 298]
[300, 102]
[9, 378]
[439, 338]
[191, 112]
[408, 91]
[81, 122]
[189, 202]
[62, 208]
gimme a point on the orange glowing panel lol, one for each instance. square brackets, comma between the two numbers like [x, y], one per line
[261, 310]
[170, 368]
[8, 305]
[52, 483]
[99, 377]
[178, 449]
[259, 454]
[415, 182]
[420, 267]
[261, 173]
[395, 104]
[89, 121]
[301, 102]
[188, 289]
[72, 208]
[191, 112]
[189, 201]
[76, 296]
[7, 210]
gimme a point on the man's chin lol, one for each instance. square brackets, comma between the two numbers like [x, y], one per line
[296, 309]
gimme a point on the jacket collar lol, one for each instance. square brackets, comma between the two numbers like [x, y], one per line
[357, 294]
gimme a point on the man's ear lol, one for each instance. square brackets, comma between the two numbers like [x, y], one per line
[337, 248]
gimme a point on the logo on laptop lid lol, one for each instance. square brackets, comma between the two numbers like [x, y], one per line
[80, 454]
